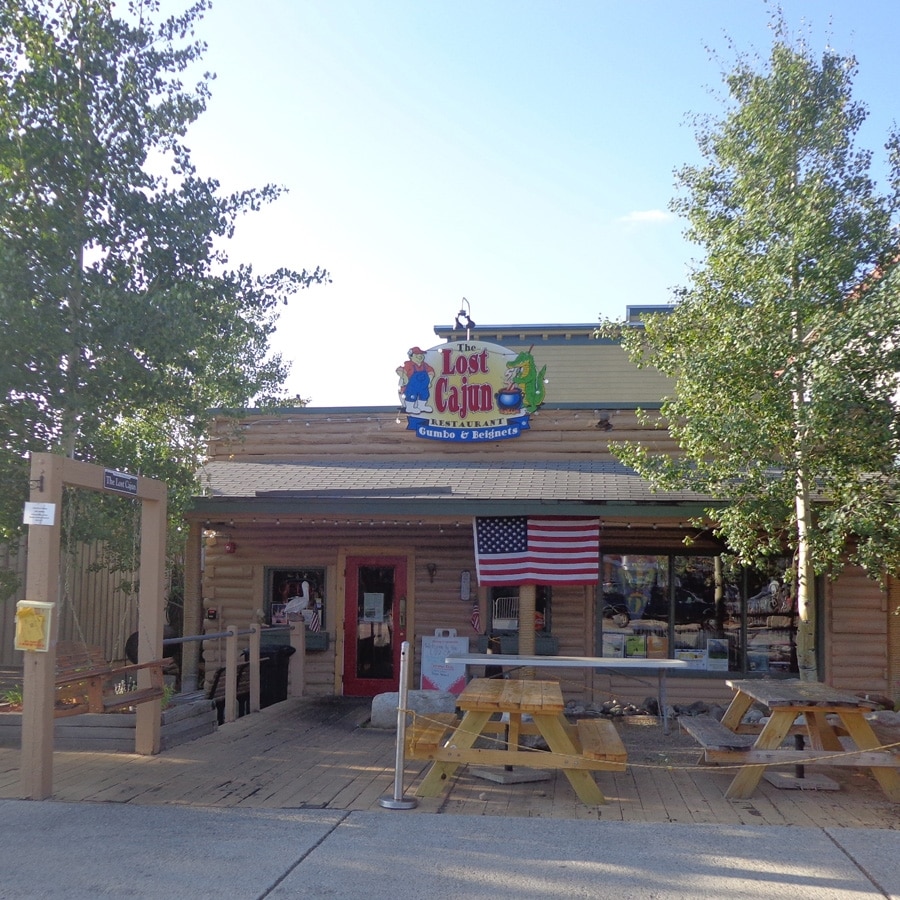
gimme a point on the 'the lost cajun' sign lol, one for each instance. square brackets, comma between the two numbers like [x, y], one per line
[120, 482]
[469, 391]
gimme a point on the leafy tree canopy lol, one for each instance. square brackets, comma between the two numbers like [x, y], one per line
[123, 319]
[784, 348]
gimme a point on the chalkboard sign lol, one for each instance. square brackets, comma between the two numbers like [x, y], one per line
[438, 675]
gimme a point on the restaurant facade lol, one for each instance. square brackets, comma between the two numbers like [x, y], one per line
[485, 504]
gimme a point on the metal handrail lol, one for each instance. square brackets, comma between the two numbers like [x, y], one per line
[192, 638]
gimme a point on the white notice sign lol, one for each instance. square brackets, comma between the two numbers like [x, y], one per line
[437, 673]
[39, 514]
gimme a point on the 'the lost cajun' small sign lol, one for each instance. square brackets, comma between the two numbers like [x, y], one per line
[120, 482]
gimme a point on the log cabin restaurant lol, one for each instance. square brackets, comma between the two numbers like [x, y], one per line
[486, 503]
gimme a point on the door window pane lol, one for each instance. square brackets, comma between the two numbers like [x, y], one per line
[374, 628]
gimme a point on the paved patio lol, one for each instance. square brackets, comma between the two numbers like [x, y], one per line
[320, 754]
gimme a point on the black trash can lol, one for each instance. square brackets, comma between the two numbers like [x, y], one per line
[273, 673]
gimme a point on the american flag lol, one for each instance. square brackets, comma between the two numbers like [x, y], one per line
[476, 618]
[545, 550]
[314, 622]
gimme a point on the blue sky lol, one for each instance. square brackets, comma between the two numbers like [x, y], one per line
[519, 154]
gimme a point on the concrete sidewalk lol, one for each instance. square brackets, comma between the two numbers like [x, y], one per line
[89, 850]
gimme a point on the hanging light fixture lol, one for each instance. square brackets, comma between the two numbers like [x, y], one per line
[465, 313]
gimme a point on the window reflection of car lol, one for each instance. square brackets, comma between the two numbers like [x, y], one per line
[616, 609]
[689, 608]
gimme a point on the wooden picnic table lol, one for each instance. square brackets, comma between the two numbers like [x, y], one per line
[577, 750]
[835, 727]
[627, 666]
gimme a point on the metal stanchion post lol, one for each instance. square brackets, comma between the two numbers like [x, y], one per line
[398, 801]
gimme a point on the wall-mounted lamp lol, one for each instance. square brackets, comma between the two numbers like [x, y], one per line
[432, 571]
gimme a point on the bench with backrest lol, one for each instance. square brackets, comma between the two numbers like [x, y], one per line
[86, 682]
[216, 690]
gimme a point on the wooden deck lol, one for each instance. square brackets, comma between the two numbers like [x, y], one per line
[320, 754]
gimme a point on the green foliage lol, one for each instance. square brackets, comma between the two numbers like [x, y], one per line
[785, 346]
[13, 695]
[123, 320]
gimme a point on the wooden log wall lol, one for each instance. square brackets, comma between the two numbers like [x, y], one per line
[894, 638]
[855, 654]
[856, 628]
[234, 584]
[300, 435]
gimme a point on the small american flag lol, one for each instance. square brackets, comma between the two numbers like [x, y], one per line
[315, 622]
[476, 618]
[546, 550]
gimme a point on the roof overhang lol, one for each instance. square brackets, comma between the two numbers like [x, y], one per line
[434, 488]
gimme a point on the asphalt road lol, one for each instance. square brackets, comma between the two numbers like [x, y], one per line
[90, 850]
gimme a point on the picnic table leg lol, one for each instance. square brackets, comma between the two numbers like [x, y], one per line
[739, 705]
[865, 739]
[553, 729]
[661, 698]
[467, 732]
[771, 737]
[821, 734]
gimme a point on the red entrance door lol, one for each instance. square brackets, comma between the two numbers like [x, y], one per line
[374, 624]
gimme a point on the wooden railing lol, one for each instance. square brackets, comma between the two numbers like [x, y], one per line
[232, 659]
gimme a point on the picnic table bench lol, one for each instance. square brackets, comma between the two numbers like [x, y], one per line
[832, 721]
[531, 707]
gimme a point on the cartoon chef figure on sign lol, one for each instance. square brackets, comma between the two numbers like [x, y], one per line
[415, 382]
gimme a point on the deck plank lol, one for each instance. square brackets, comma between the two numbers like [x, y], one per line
[311, 752]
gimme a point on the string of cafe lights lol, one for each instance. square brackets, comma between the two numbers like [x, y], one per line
[355, 521]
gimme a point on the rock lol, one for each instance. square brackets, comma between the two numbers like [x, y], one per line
[384, 706]
[754, 716]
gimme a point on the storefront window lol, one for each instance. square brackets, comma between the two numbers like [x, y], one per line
[295, 594]
[504, 609]
[695, 608]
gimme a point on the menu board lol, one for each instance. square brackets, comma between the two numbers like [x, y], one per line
[437, 674]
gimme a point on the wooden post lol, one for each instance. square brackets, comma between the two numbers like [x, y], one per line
[231, 659]
[297, 662]
[193, 609]
[151, 608]
[41, 584]
[254, 668]
[527, 604]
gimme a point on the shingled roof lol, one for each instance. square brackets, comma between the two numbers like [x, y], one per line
[449, 483]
